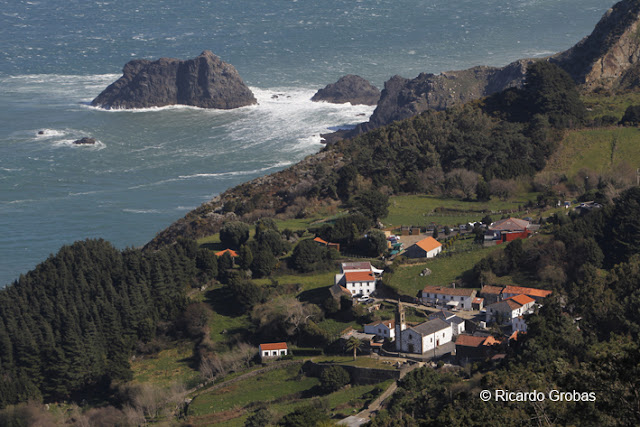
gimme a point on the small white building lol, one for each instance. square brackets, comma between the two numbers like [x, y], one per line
[425, 248]
[381, 328]
[273, 350]
[452, 298]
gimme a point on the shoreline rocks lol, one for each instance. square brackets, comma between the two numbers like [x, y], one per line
[205, 81]
[349, 88]
[84, 141]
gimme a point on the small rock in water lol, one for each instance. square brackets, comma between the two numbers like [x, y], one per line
[40, 132]
[85, 141]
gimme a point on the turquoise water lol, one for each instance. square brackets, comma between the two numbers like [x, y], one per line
[152, 166]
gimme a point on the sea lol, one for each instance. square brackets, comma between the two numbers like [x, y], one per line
[149, 167]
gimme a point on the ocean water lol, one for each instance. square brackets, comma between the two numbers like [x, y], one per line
[152, 166]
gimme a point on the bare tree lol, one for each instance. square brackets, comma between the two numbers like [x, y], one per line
[503, 188]
[461, 182]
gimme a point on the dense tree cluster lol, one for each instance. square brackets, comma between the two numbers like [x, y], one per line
[71, 324]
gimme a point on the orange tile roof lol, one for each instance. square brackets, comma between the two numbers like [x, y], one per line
[522, 299]
[470, 340]
[490, 340]
[359, 276]
[463, 292]
[527, 291]
[231, 252]
[477, 300]
[486, 289]
[428, 244]
[274, 346]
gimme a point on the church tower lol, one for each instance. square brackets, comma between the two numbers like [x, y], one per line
[401, 325]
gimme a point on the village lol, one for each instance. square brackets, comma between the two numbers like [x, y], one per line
[462, 326]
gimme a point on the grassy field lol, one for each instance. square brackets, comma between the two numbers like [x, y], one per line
[600, 105]
[262, 388]
[361, 361]
[166, 367]
[592, 149]
[444, 270]
[281, 391]
[421, 210]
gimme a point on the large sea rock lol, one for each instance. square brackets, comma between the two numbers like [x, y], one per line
[350, 88]
[205, 81]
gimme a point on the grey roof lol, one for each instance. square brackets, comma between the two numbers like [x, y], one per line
[430, 327]
[442, 314]
[455, 319]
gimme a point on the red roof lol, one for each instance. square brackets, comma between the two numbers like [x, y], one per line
[470, 340]
[494, 290]
[359, 276]
[527, 291]
[477, 300]
[274, 346]
[428, 244]
[522, 299]
[231, 252]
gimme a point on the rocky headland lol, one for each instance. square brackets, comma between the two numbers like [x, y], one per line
[350, 88]
[205, 81]
[607, 59]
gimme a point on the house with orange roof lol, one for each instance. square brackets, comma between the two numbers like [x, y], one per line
[322, 242]
[273, 350]
[359, 283]
[231, 252]
[510, 309]
[472, 347]
[453, 298]
[425, 248]
[536, 294]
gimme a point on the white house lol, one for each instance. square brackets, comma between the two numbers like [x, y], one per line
[454, 298]
[273, 350]
[381, 328]
[421, 338]
[359, 283]
[509, 309]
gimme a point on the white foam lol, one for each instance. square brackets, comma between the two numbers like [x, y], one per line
[49, 133]
[141, 211]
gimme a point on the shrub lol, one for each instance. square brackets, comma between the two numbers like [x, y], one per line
[334, 378]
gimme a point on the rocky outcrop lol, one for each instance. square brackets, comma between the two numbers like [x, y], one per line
[350, 88]
[402, 98]
[85, 141]
[609, 56]
[205, 81]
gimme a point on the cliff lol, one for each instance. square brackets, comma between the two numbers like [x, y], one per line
[205, 81]
[607, 58]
